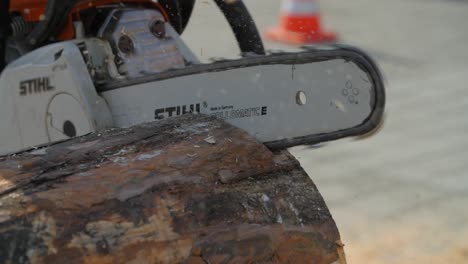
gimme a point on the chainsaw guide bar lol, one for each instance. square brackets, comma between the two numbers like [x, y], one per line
[196, 89]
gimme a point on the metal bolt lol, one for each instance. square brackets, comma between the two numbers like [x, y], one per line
[126, 44]
[158, 28]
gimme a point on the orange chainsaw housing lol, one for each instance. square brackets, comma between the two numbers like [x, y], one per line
[33, 11]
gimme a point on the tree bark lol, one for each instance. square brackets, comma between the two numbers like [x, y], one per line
[191, 189]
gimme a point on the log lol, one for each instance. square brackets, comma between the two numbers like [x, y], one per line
[191, 189]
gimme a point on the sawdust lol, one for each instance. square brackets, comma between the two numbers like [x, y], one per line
[410, 243]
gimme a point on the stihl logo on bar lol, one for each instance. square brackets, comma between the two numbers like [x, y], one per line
[37, 85]
[171, 111]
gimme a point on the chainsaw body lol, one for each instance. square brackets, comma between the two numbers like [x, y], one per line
[132, 67]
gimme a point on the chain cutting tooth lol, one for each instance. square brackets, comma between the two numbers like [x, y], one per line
[251, 55]
[275, 51]
[191, 63]
[219, 59]
[317, 47]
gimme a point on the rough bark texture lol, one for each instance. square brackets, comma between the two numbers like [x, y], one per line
[187, 190]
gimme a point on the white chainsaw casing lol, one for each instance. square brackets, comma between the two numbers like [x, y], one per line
[48, 95]
[77, 87]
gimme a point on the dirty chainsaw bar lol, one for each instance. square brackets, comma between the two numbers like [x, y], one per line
[282, 99]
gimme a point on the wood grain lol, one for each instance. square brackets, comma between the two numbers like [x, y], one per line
[191, 189]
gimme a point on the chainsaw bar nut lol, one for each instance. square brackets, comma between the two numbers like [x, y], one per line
[158, 28]
[125, 44]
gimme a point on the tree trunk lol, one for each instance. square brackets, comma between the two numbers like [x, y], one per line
[191, 189]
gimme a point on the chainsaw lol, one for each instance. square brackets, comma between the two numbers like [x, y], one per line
[69, 68]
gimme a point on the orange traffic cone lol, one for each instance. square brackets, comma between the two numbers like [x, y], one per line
[300, 24]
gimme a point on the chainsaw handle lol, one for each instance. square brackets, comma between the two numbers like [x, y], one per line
[179, 12]
[4, 29]
[55, 16]
[243, 26]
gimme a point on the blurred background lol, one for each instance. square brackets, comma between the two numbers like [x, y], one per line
[400, 196]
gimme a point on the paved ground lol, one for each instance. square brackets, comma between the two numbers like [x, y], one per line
[401, 196]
